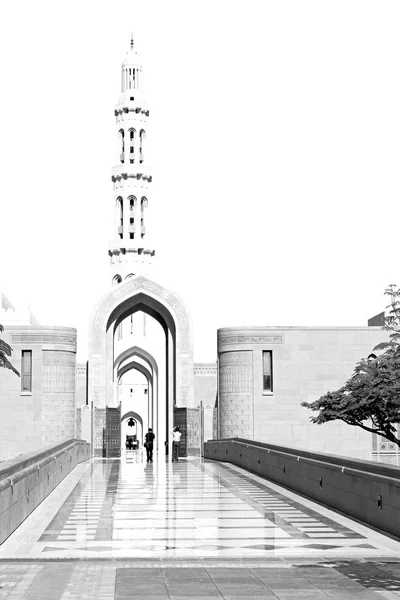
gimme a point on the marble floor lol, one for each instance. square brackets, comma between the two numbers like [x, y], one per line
[130, 529]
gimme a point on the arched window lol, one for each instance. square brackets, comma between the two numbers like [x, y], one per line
[141, 145]
[132, 135]
[116, 280]
[129, 276]
[121, 145]
[120, 217]
[143, 205]
[132, 202]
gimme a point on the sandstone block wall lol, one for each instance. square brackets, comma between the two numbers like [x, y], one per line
[307, 362]
[46, 414]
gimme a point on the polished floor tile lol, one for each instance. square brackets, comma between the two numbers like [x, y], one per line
[193, 509]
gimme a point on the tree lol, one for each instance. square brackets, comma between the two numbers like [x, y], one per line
[370, 399]
[5, 351]
[392, 321]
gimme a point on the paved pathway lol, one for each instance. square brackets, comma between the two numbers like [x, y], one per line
[122, 529]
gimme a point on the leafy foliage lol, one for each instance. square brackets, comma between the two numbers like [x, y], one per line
[370, 399]
[5, 351]
[392, 321]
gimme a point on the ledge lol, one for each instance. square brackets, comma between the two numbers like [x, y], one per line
[27, 480]
[365, 490]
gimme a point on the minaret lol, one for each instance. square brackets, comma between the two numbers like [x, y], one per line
[130, 251]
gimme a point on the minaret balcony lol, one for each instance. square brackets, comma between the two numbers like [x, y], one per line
[137, 171]
[126, 105]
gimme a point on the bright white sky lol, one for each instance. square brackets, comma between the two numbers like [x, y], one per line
[275, 153]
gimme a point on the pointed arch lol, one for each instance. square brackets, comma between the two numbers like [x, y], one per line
[131, 142]
[134, 365]
[140, 294]
[132, 202]
[151, 374]
[142, 138]
[119, 207]
[141, 353]
[121, 144]
[134, 415]
[143, 205]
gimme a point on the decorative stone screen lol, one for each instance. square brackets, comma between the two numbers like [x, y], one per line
[58, 396]
[236, 394]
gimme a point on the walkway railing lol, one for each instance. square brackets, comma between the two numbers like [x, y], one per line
[365, 490]
[26, 480]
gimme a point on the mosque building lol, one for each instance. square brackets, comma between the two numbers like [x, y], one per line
[140, 371]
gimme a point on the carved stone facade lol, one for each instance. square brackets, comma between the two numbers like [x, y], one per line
[58, 401]
[58, 372]
[385, 451]
[236, 394]
[100, 341]
[140, 293]
[45, 413]
[205, 370]
[306, 363]
[193, 432]
[99, 432]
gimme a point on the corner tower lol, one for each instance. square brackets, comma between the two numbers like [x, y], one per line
[131, 250]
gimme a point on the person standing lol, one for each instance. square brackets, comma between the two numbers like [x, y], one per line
[176, 441]
[149, 437]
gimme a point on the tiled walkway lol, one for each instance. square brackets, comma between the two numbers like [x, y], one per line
[190, 529]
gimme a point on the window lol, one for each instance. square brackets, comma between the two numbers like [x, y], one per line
[267, 371]
[26, 371]
[121, 136]
[132, 134]
[120, 216]
[142, 137]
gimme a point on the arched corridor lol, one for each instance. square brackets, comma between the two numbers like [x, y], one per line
[138, 328]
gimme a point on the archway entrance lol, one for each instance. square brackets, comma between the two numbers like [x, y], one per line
[132, 425]
[139, 329]
[137, 376]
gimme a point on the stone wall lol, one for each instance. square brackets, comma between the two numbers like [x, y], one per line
[26, 481]
[307, 362]
[367, 491]
[205, 394]
[46, 414]
[81, 384]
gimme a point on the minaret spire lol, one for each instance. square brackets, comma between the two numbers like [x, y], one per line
[131, 250]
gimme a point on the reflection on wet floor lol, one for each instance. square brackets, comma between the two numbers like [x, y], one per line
[191, 509]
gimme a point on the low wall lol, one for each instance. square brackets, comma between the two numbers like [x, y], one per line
[27, 480]
[365, 490]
